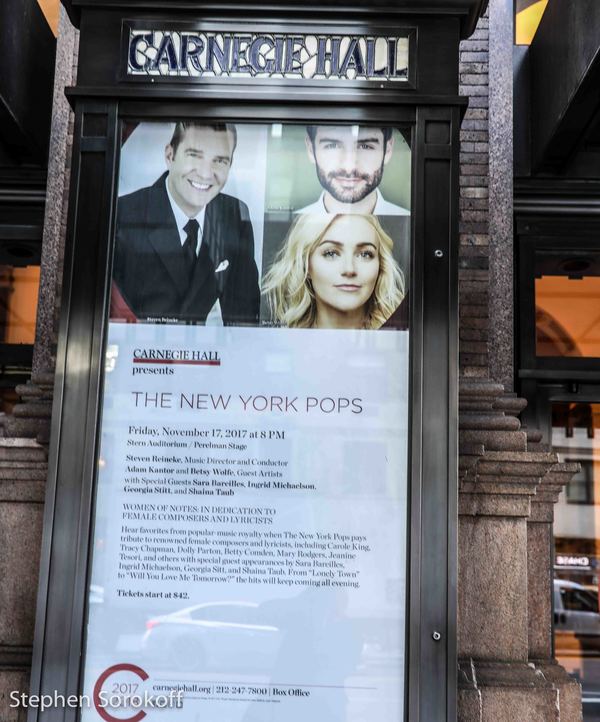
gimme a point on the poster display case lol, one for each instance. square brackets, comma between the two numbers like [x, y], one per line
[251, 512]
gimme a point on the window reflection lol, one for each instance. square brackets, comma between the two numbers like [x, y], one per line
[576, 438]
[18, 303]
[567, 305]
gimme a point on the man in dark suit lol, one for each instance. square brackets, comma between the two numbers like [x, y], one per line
[181, 244]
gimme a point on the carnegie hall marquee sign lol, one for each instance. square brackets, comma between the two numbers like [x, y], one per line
[243, 55]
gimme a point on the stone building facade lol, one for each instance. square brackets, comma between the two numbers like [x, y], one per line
[25, 434]
[508, 481]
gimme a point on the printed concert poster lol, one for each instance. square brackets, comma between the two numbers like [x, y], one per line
[250, 529]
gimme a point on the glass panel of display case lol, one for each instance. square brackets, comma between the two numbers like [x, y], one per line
[249, 549]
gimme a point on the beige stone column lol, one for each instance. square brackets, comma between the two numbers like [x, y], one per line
[506, 500]
[23, 470]
[540, 564]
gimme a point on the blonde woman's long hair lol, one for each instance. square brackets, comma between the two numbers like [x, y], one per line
[287, 285]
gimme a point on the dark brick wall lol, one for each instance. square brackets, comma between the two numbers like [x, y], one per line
[474, 205]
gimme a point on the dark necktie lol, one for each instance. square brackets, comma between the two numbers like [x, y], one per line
[190, 244]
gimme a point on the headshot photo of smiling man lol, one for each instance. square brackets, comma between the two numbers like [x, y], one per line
[184, 249]
[350, 161]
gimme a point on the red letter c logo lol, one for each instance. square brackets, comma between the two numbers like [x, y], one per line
[99, 684]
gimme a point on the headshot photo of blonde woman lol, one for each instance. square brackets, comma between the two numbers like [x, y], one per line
[334, 271]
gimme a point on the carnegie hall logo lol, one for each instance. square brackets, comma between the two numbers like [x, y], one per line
[160, 360]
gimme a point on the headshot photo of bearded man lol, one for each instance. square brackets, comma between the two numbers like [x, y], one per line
[350, 161]
[185, 249]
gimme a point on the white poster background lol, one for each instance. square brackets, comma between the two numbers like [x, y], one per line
[338, 638]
